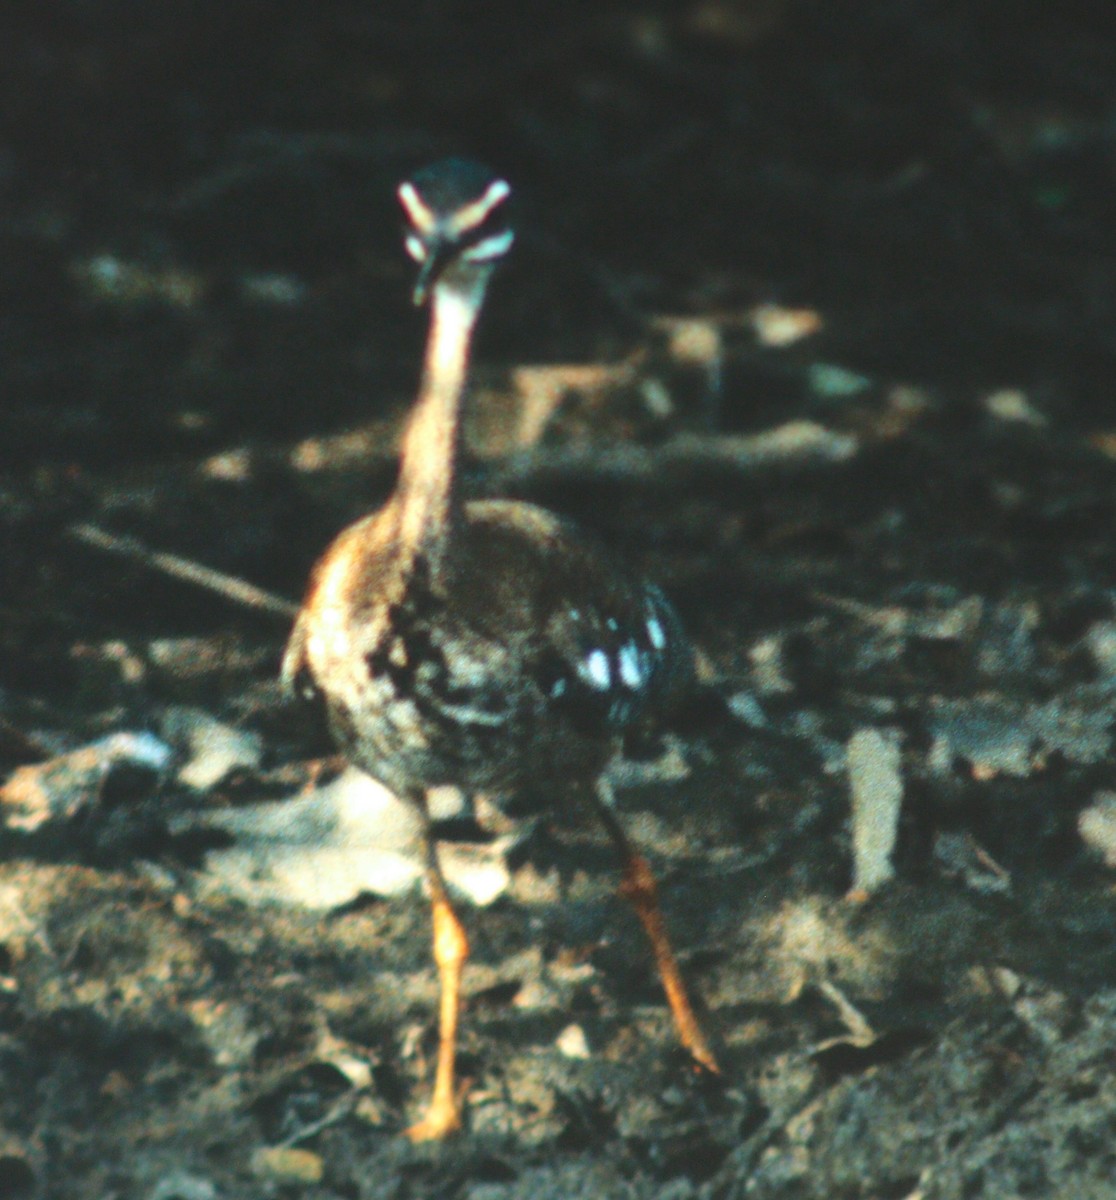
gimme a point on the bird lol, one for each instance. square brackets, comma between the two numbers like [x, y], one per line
[486, 644]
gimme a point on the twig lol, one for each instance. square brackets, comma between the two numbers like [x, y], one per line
[855, 1021]
[795, 443]
[792, 443]
[229, 586]
[337, 1112]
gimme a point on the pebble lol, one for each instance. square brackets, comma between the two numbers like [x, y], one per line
[287, 1165]
[572, 1042]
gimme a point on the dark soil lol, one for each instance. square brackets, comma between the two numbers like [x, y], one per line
[207, 345]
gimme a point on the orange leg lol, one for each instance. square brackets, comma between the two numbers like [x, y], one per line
[451, 949]
[637, 885]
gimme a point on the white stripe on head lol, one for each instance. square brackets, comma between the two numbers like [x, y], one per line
[422, 217]
[489, 248]
[471, 215]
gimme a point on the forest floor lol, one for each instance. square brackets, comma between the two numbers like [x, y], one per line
[812, 318]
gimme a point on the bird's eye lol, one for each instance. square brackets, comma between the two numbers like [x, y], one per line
[415, 247]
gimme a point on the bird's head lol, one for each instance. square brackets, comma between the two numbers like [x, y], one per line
[457, 224]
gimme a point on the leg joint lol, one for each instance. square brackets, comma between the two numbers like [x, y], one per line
[637, 884]
[451, 943]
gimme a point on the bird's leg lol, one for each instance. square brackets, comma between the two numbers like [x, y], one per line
[451, 949]
[637, 885]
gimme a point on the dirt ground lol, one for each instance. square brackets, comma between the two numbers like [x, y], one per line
[811, 317]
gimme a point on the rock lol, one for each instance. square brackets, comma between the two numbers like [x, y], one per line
[572, 1042]
[1097, 826]
[212, 748]
[61, 787]
[351, 837]
[287, 1165]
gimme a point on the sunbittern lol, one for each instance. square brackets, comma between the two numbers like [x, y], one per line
[486, 644]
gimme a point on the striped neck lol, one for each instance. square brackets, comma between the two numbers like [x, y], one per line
[427, 492]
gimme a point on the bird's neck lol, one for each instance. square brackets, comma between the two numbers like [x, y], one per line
[427, 494]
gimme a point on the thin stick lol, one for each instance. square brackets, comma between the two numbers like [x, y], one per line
[236, 590]
[791, 445]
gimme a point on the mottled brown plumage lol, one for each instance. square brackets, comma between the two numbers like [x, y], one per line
[475, 673]
[487, 645]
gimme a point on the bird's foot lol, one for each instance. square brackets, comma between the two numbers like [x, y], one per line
[703, 1058]
[441, 1121]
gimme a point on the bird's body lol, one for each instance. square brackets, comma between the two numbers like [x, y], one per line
[521, 658]
[487, 645]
